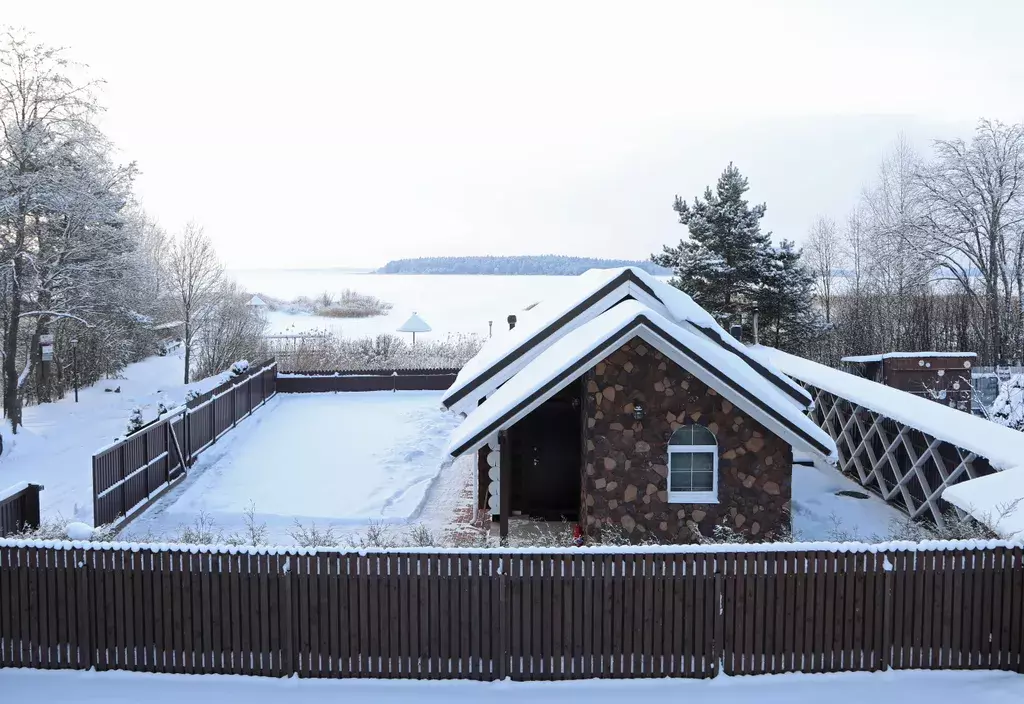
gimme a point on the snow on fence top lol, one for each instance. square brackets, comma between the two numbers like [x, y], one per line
[12, 490]
[851, 547]
[905, 355]
[984, 498]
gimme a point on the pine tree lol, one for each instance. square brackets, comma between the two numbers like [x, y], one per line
[788, 319]
[722, 264]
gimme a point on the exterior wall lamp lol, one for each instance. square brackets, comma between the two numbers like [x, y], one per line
[638, 410]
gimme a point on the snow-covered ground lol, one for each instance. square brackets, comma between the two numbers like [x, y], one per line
[340, 460]
[55, 446]
[440, 299]
[70, 687]
[820, 514]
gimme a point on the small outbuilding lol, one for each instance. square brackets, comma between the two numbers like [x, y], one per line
[623, 406]
[944, 377]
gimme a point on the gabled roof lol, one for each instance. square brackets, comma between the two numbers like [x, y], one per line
[593, 293]
[580, 349]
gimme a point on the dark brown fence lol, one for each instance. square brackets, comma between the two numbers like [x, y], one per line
[137, 469]
[19, 508]
[489, 615]
[384, 380]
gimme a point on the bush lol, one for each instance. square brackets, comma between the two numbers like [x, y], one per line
[135, 421]
[351, 304]
[326, 351]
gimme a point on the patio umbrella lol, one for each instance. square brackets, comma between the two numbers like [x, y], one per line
[414, 325]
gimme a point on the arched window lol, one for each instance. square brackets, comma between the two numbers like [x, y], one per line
[693, 466]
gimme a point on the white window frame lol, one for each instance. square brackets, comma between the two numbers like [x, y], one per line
[694, 497]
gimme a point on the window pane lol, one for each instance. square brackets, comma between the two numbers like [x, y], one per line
[703, 481]
[680, 460]
[679, 481]
[703, 461]
[692, 435]
[703, 436]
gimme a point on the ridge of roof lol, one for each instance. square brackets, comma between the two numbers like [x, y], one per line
[536, 330]
[571, 355]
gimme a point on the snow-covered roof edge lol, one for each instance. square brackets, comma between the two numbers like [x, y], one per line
[849, 547]
[1003, 447]
[554, 317]
[996, 500]
[583, 347]
[905, 355]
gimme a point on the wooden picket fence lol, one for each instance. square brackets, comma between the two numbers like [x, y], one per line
[134, 471]
[376, 380]
[544, 615]
[19, 508]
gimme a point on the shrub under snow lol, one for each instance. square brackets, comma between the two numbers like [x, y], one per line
[1008, 408]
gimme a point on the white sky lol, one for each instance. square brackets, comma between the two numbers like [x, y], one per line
[346, 134]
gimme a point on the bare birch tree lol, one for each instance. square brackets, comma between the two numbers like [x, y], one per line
[974, 197]
[823, 252]
[194, 276]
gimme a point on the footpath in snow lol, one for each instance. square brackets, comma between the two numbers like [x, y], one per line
[55, 446]
[337, 459]
[67, 687]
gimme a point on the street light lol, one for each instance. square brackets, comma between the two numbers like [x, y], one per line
[74, 365]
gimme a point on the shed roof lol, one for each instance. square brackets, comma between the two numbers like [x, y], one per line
[905, 355]
[580, 349]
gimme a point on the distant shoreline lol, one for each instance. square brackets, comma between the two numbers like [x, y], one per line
[525, 265]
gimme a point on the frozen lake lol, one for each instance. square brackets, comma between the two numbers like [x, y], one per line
[449, 304]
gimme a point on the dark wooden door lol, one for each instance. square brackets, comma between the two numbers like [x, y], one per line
[546, 461]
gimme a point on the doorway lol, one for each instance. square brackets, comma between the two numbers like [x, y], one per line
[546, 454]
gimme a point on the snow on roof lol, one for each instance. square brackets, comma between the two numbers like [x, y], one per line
[414, 324]
[168, 326]
[905, 355]
[579, 349]
[257, 302]
[1003, 447]
[589, 295]
[997, 500]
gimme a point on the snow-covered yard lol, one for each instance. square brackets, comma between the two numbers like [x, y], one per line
[55, 446]
[843, 688]
[820, 513]
[338, 460]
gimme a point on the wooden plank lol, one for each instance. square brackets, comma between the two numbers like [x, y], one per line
[689, 623]
[760, 655]
[619, 622]
[1003, 605]
[247, 580]
[648, 610]
[423, 609]
[235, 583]
[985, 607]
[837, 563]
[1016, 620]
[185, 587]
[307, 592]
[956, 628]
[321, 571]
[553, 565]
[582, 615]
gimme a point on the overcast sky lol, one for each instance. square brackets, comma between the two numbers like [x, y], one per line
[308, 134]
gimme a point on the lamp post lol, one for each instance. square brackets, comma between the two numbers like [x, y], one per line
[74, 365]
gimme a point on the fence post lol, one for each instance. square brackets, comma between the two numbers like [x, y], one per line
[95, 495]
[887, 566]
[504, 623]
[145, 458]
[86, 614]
[123, 464]
[718, 648]
[213, 419]
[289, 666]
[32, 514]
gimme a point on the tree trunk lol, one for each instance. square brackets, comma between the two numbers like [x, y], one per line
[12, 397]
[188, 346]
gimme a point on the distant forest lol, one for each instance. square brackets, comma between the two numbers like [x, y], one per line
[542, 264]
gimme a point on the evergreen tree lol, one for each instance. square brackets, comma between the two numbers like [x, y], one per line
[722, 264]
[788, 320]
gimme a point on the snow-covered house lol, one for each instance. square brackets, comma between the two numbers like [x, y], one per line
[623, 403]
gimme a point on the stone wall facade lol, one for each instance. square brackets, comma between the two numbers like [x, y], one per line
[625, 465]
